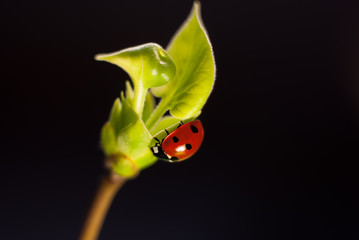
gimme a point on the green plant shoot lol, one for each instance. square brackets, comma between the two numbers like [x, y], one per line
[182, 77]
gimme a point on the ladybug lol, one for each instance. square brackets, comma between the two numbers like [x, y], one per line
[180, 144]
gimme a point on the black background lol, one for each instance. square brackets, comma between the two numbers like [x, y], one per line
[278, 160]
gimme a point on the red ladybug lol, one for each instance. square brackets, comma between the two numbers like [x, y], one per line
[180, 144]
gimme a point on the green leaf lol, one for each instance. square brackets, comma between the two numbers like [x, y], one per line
[108, 139]
[149, 106]
[115, 115]
[127, 149]
[130, 95]
[132, 152]
[148, 64]
[122, 165]
[191, 51]
[133, 140]
[168, 121]
[165, 122]
[146, 160]
[122, 115]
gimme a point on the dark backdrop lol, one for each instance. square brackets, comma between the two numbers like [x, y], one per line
[278, 160]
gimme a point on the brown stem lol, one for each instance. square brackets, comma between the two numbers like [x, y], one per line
[108, 188]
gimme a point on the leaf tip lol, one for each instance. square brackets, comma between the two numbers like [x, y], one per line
[99, 57]
[107, 56]
[196, 10]
[117, 102]
[197, 5]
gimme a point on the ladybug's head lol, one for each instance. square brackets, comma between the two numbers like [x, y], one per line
[158, 152]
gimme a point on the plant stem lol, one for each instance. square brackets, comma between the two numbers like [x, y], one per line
[108, 188]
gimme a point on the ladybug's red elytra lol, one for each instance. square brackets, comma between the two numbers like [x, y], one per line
[180, 144]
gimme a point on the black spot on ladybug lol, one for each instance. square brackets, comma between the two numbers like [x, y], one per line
[194, 129]
[188, 146]
[175, 139]
[174, 158]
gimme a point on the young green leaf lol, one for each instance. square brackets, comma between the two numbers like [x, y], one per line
[122, 115]
[164, 123]
[148, 107]
[168, 121]
[126, 148]
[122, 165]
[108, 139]
[130, 95]
[148, 66]
[133, 140]
[191, 51]
[115, 116]
[146, 160]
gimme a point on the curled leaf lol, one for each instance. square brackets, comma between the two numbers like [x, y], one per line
[148, 65]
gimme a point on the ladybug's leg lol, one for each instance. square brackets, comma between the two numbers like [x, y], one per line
[181, 123]
[158, 143]
[167, 132]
